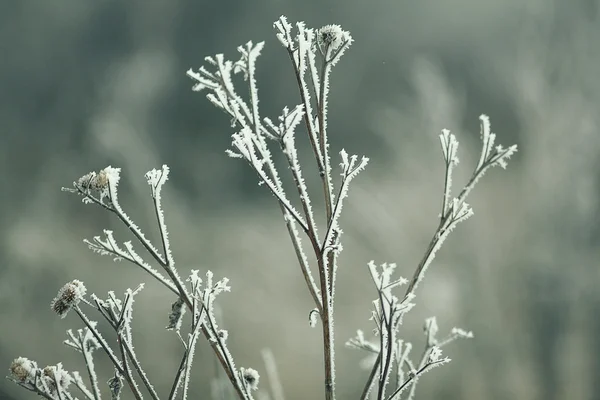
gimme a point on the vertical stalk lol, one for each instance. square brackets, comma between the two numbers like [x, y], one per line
[327, 321]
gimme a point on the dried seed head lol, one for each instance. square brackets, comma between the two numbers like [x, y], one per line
[223, 334]
[93, 181]
[101, 180]
[23, 370]
[251, 378]
[86, 181]
[68, 296]
[55, 374]
[330, 36]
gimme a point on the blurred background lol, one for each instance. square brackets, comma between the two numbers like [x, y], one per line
[90, 84]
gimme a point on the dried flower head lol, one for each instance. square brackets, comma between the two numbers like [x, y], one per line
[251, 378]
[86, 181]
[223, 334]
[101, 180]
[23, 369]
[330, 36]
[56, 375]
[68, 296]
[94, 181]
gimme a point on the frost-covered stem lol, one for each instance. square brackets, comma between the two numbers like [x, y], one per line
[413, 377]
[221, 348]
[327, 322]
[254, 96]
[307, 116]
[163, 233]
[278, 192]
[429, 253]
[187, 358]
[323, 144]
[447, 182]
[100, 340]
[422, 364]
[140, 237]
[446, 224]
[81, 386]
[128, 377]
[290, 219]
[177, 380]
[167, 267]
[89, 365]
[317, 147]
[188, 363]
[138, 367]
[312, 228]
[225, 362]
[308, 278]
[333, 256]
[218, 347]
[289, 216]
[389, 326]
[223, 359]
[303, 194]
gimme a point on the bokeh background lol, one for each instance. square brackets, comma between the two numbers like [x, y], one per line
[84, 85]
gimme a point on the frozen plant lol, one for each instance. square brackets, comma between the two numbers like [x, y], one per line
[313, 54]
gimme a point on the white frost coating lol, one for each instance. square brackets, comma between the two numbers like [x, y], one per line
[156, 179]
[449, 149]
[283, 28]
[349, 172]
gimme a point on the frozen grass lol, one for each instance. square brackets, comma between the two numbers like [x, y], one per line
[394, 373]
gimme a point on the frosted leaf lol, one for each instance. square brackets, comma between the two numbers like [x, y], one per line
[501, 155]
[449, 147]
[350, 171]
[491, 155]
[435, 354]
[460, 211]
[250, 52]
[221, 286]
[157, 178]
[204, 79]
[283, 29]
[113, 175]
[194, 279]
[176, 315]
[85, 341]
[458, 332]
[115, 385]
[289, 121]
[359, 342]
[233, 154]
